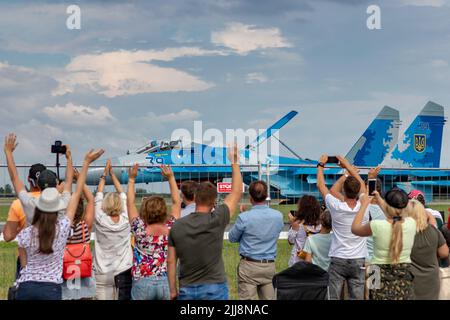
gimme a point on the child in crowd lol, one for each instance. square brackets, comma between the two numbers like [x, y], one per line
[318, 245]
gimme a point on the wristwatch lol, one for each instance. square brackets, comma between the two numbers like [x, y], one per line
[321, 164]
[103, 177]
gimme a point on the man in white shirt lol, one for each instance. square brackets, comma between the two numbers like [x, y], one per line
[347, 251]
[187, 193]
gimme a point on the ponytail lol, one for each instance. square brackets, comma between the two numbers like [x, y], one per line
[396, 245]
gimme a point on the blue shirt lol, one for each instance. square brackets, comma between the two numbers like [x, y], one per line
[257, 232]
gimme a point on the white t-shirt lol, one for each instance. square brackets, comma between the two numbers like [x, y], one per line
[29, 204]
[344, 244]
[190, 208]
[113, 253]
[44, 267]
[436, 214]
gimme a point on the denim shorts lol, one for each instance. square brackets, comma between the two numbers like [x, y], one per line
[215, 291]
[32, 290]
[151, 288]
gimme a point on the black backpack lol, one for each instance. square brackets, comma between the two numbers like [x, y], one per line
[302, 281]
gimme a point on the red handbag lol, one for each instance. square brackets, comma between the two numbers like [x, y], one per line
[77, 262]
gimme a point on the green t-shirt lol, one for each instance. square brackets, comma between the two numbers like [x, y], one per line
[382, 232]
[318, 246]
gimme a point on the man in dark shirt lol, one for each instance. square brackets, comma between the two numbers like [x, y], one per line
[197, 241]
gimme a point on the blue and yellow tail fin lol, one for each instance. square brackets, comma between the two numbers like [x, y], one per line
[420, 146]
[377, 141]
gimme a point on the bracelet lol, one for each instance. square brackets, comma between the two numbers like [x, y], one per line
[321, 164]
[103, 177]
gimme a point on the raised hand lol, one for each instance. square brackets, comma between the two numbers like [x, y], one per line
[343, 162]
[76, 174]
[323, 158]
[93, 155]
[233, 154]
[10, 143]
[365, 199]
[68, 151]
[166, 171]
[373, 172]
[108, 167]
[377, 197]
[133, 171]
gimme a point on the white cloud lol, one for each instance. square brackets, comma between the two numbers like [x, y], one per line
[438, 63]
[126, 72]
[254, 77]
[246, 38]
[183, 115]
[79, 115]
[425, 3]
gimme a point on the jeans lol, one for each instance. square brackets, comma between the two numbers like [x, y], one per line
[216, 291]
[351, 271]
[151, 288]
[32, 290]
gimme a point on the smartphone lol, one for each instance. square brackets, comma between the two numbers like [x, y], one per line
[333, 159]
[372, 184]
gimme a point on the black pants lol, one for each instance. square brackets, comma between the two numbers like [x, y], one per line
[123, 282]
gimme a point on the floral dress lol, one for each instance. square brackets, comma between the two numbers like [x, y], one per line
[150, 252]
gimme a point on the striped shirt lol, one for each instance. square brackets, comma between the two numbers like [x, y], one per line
[76, 234]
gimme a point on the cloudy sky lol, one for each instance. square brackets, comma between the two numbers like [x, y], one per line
[138, 70]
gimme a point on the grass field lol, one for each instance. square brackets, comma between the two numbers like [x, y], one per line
[230, 256]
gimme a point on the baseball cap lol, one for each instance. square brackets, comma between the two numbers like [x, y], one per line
[35, 171]
[415, 193]
[47, 179]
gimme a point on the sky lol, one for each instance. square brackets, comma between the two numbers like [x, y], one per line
[138, 70]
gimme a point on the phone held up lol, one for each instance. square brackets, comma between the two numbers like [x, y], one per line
[372, 184]
[333, 159]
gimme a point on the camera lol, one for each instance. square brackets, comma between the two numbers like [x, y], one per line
[58, 148]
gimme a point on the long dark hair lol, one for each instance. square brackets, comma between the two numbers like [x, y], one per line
[79, 214]
[45, 222]
[309, 210]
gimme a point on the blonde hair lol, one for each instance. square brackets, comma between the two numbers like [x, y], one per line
[396, 244]
[419, 214]
[112, 204]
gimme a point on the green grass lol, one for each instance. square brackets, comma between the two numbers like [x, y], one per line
[230, 256]
[4, 208]
[8, 258]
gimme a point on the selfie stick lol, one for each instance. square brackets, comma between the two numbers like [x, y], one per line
[57, 166]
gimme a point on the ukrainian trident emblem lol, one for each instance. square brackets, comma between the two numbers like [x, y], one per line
[420, 142]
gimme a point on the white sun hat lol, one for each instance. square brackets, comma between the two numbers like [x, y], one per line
[50, 201]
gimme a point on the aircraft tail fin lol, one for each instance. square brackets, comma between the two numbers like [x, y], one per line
[377, 141]
[421, 144]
